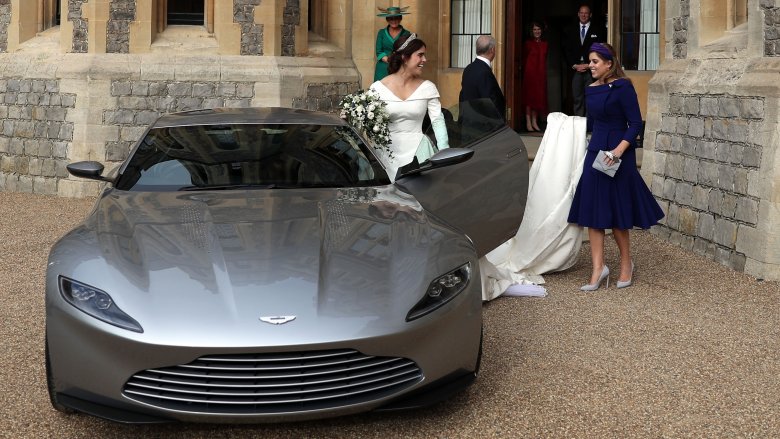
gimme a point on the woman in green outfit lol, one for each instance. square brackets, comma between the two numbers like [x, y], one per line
[387, 36]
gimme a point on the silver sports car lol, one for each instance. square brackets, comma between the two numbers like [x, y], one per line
[257, 265]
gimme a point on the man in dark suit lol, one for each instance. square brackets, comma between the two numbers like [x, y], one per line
[478, 80]
[577, 46]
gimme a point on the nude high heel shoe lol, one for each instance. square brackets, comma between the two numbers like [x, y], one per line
[597, 285]
[624, 284]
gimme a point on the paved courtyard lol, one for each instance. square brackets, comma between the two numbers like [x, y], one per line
[692, 350]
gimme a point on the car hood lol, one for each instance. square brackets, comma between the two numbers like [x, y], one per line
[203, 267]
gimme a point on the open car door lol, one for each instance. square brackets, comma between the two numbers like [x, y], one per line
[485, 195]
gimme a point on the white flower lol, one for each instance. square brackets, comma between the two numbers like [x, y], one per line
[367, 113]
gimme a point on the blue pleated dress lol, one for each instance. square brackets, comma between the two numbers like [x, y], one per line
[622, 201]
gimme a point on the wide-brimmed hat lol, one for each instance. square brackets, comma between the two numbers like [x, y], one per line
[393, 11]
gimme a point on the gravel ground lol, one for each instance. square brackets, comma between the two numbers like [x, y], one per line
[691, 350]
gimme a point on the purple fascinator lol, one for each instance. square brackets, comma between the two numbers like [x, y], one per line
[601, 50]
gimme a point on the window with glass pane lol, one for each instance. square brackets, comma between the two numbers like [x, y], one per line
[470, 19]
[640, 38]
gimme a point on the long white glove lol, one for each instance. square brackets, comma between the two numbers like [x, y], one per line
[440, 131]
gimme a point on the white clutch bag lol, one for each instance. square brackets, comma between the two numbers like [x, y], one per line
[599, 165]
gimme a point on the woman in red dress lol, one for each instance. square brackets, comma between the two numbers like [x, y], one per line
[534, 86]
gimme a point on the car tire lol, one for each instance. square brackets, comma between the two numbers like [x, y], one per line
[50, 385]
[479, 355]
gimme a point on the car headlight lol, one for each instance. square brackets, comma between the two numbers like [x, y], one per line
[96, 303]
[441, 290]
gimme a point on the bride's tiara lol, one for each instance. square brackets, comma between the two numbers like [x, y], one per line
[413, 36]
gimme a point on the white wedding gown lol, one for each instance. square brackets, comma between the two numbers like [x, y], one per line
[406, 119]
[545, 241]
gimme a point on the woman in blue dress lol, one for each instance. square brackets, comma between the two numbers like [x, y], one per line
[387, 36]
[621, 202]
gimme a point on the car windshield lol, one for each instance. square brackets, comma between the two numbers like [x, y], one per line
[238, 156]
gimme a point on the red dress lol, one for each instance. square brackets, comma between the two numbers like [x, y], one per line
[534, 87]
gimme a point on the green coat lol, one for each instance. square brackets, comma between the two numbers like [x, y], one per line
[384, 47]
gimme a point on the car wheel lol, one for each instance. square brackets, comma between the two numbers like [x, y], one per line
[50, 386]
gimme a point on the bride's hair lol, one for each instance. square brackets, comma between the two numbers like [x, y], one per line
[402, 52]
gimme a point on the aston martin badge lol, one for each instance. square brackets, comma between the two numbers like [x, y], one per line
[277, 320]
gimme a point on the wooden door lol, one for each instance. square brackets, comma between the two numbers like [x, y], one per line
[513, 58]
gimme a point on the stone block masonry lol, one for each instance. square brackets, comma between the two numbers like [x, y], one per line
[680, 31]
[707, 158]
[251, 33]
[35, 135]
[95, 107]
[771, 27]
[80, 26]
[324, 97]
[5, 20]
[139, 103]
[292, 18]
[120, 14]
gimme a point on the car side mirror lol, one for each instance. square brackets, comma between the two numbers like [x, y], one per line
[445, 157]
[88, 169]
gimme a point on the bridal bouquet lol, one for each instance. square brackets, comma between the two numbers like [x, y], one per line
[368, 114]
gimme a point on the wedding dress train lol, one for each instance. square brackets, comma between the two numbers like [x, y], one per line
[545, 241]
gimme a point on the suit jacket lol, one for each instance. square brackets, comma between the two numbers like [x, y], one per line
[576, 52]
[478, 82]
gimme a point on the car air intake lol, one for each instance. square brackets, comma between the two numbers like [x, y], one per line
[272, 383]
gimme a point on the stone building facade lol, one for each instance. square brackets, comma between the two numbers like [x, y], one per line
[83, 87]
[713, 157]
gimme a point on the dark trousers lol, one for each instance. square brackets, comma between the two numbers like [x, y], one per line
[578, 84]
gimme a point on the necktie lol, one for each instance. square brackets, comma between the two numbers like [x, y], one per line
[582, 34]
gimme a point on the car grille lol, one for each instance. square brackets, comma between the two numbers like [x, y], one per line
[272, 383]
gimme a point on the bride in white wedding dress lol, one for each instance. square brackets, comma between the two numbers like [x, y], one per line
[545, 242]
[408, 98]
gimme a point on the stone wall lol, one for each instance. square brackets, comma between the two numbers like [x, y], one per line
[120, 14]
[72, 107]
[139, 103]
[324, 97]
[251, 33]
[680, 31]
[291, 19]
[80, 26]
[36, 134]
[707, 156]
[771, 27]
[5, 20]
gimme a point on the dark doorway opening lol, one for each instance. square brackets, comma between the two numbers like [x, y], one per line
[186, 12]
[557, 16]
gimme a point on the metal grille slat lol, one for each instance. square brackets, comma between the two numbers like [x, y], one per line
[275, 366]
[277, 383]
[241, 373]
[275, 401]
[264, 392]
[272, 383]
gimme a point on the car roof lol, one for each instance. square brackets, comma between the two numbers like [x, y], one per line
[252, 115]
